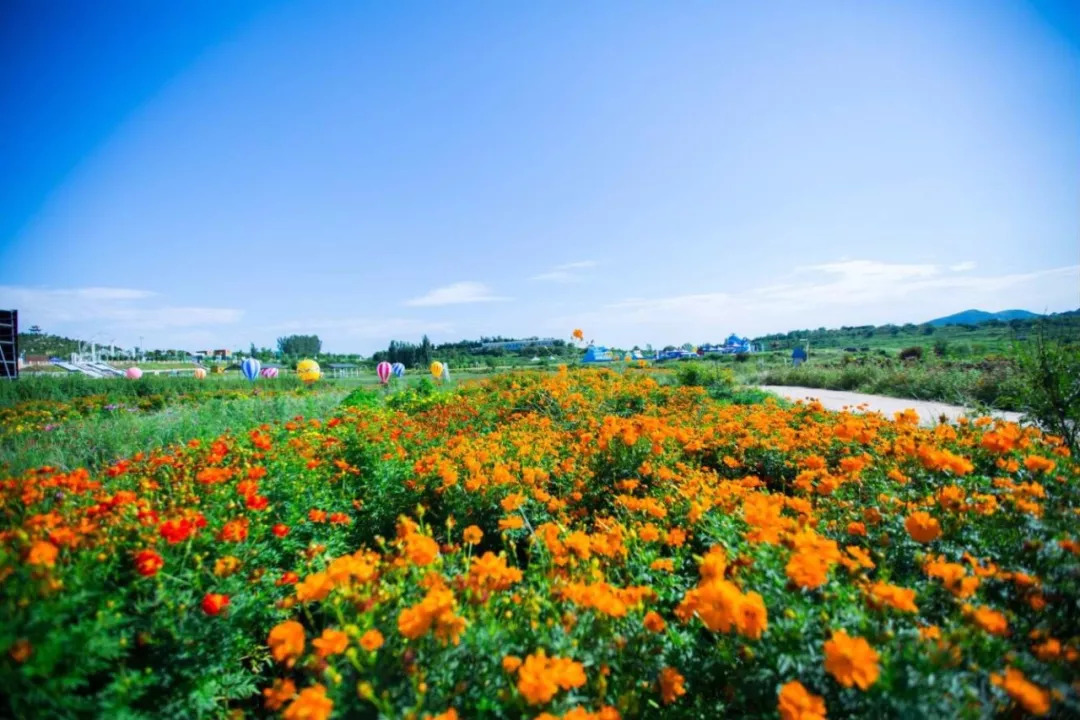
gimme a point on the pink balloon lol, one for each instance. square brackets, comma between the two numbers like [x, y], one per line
[383, 371]
[133, 373]
[200, 373]
[269, 373]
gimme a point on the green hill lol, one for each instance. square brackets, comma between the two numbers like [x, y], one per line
[976, 317]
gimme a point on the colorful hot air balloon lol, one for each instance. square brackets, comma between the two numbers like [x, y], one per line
[383, 371]
[200, 373]
[436, 370]
[133, 373]
[250, 367]
[269, 373]
[308, 371]
[398, 369]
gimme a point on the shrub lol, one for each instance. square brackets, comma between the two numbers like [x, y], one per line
[1050, 388]
[914, 352]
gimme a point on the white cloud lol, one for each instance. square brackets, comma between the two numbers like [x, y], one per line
[365, 327]
[458, 293]
[963, 267]
[567, 272]
[114, 308]
[849, 292]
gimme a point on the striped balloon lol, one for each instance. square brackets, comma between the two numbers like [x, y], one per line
[250, 368]
[436, 370]
[398, 369]
[269, 373]
[200, 373]
[446, 371]
[383, 371]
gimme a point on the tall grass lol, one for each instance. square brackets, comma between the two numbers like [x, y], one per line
[98, 441]
[70, 386]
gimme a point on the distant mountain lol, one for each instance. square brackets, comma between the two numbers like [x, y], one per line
[974, 317]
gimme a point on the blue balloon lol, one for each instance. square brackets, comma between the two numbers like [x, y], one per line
[398, 369]
[250, 368]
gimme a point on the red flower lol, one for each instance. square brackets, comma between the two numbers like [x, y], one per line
[281, 530]
[214, 603]
[340, 518]
[148, 562]
[176, 531]
[256, 502]
[288, 578]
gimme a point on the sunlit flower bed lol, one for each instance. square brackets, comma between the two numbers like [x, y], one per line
[576, 545]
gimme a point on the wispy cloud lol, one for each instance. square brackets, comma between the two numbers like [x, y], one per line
[847, 292]
[365, 327]
[109, 308]
[458, 293]
[963, 267]
[567, 272]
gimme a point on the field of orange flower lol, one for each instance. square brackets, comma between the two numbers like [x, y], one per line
[585, 544]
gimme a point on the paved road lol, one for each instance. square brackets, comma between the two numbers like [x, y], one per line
[929, 412]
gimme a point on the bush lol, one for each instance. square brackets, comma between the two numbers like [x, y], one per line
[912, 353]
[1050, 388]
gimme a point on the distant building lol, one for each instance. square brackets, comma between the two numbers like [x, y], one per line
[597, 354]
[733, 345]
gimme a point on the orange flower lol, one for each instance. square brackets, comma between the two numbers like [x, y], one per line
[473, 535]
[331, 642]
[1032, 697]
[42, 553]
[671, 685]
[421, 549]
[653, 622]
[752, 619]
[315, 587]
[511, 663]
[281, 693]
[797, 703]
[991, 621]
[21, 650]
[148, 562]
[922, 527]
[851, 660]
[372, 640]
[234, 530]
[807, 570]
[226, 566]
[882, 594]
[514, 522]
[540, 677]
[1035, 463]
[286, 641]
[311, 704]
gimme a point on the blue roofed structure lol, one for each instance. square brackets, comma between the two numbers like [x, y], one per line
[597, 354]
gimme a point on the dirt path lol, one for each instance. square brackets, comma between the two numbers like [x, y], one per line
[929, 411]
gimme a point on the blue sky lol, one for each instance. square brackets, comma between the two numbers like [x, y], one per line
[208, 173]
